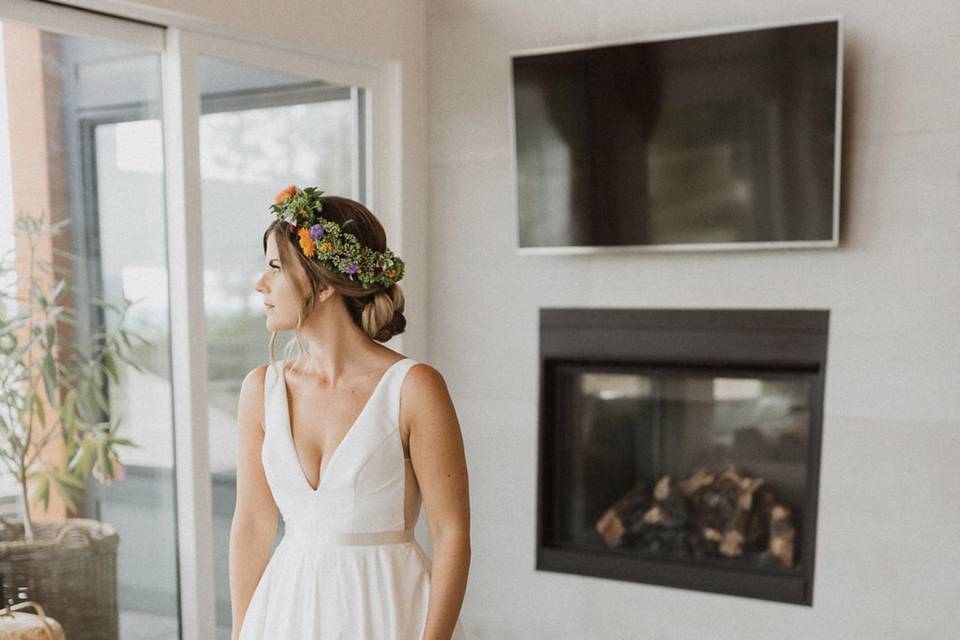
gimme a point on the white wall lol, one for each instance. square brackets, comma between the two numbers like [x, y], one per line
[888, 555]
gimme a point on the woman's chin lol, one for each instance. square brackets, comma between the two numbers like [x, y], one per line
[274, 325]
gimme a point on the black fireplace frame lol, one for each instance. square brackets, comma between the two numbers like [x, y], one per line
[772, 339]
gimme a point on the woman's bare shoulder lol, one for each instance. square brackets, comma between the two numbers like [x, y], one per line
[250, 403]
[254, 381]
[423, 375]
[424, 390]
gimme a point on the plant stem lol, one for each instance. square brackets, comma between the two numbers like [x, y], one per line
[25, 501]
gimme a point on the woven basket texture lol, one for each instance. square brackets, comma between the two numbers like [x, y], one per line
[70, 568]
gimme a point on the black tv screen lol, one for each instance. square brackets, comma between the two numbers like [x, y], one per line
[708, 140]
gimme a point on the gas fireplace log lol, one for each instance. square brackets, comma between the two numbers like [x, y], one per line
[782, 534]
[718, 512]
[614, 522]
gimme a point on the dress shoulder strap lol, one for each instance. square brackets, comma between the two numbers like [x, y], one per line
[272, 387]
[393, 390]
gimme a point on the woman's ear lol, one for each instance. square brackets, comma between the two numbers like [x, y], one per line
[324, 293]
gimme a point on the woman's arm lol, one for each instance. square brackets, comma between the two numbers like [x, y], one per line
[254, 525]
[436, 450]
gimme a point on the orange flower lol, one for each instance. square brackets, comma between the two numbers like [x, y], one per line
[306, 242]
[286, 193]
[325, 246]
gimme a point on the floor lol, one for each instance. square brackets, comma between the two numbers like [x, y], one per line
[135, 625]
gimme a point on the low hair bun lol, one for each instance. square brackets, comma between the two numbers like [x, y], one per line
[382, 316]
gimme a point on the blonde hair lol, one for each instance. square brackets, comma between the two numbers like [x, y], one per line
[378, 311]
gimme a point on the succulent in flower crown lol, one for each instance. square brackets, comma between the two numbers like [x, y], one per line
[325, 240]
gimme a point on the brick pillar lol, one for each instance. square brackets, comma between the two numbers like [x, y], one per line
[32, 66]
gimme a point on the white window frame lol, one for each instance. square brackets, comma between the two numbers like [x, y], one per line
[181, 41]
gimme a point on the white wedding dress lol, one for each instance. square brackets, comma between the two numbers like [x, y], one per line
[348, 566]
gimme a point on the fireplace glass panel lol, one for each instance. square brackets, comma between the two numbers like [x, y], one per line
[705, 466]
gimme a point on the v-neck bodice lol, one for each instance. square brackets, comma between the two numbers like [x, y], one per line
[366, 483]
[328, 458]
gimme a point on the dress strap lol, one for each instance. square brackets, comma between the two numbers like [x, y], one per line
[271, 387]
[393, 397]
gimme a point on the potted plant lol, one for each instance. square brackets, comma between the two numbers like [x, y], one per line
[52, 398]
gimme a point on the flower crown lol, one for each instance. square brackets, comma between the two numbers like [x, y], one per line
[325, 241]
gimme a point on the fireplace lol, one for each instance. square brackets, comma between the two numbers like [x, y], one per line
[681, 447]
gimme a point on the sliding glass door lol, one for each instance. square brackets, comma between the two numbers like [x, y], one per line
[260, 130]
[80, 145]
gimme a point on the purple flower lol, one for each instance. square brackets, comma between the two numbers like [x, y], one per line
[316, 231]
[352, 268]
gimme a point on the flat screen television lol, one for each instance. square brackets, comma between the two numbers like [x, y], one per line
[709, 140]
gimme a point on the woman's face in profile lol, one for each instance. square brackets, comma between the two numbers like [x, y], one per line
[280, 299]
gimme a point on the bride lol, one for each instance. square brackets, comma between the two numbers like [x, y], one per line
[344, 440]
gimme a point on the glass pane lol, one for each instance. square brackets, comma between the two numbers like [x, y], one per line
[80, 133]
[686, 465]
[259, 131]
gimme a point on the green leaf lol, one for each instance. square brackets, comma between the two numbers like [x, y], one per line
[57, 290]
[86, 458]
[108, 469]
[91, 394]
[84, 394]
[67, 316]
[41, 492]
[69, 410]
[49, 371]
[66, 492]
[111, 365]
[131, 362]
[100, 302]
[66, 453]
[69, 479]
[103, 457]
[38, 407]
[101, 398]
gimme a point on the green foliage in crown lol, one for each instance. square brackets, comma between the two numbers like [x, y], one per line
[325, 241]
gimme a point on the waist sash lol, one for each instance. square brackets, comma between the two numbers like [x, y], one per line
[304, 535]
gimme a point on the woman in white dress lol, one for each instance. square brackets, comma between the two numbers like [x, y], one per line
[326, 442]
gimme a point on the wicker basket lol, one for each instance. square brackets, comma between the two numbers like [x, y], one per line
[71, 567]
[15, 623]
